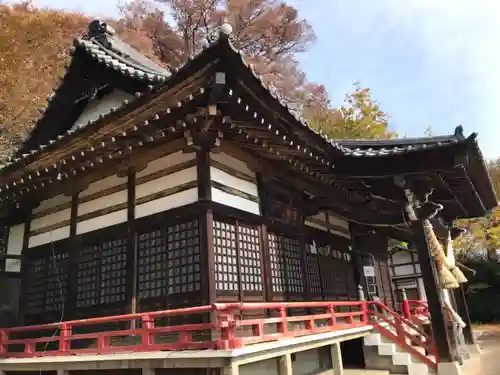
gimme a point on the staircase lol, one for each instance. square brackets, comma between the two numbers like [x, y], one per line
[400, 343]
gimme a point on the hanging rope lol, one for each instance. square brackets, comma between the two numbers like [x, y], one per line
[448, 281]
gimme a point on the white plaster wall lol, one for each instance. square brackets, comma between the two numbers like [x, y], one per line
[106, 201]
[232, 162]
[58, 200]
[103, 184]
[165, 162]
[231, 200]
[102, 106]
[50, 219]
[15, 247]
[45, 216]
[225, 178]
[166, 182]
[166, 203]
[48, 237]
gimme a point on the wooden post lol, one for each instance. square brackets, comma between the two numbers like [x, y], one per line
[435, 303]
[206, 226]
[73, 253]
[132, 256]
[463, 311]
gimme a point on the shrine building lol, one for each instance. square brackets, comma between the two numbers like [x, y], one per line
[189, 222]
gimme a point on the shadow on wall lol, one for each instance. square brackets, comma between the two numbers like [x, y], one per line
[9, 301]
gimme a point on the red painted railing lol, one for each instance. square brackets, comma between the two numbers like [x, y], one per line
[411, 308]
[405, 333]
[219, 326]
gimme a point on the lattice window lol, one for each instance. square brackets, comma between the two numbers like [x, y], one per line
[153, 264]
[183, 242]
[113, 271]
[57, 281]
[249, 251]
[278, 276]
[88, 276]
[226, 258]
[34, 286]
[313, 273]
[294, 273]
[102, 273]
[286, 270]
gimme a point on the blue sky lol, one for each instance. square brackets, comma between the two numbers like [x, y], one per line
[428, 62]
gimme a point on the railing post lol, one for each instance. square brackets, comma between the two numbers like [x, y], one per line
[364, 310]
[147, 324]
[405, 305]
[283, 324]
[65, 332]
[332, 321]
[3, 339]
[227, 327]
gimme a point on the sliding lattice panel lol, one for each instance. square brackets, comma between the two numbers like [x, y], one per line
[45, 283]
[34, 288]
[314, 276]
[226, 258]
[286, 271]
[102, 277]
[250, 260]
[237, 253]
[169, 266]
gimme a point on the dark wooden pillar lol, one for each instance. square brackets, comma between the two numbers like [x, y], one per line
[264, 242]
[132, 256]
[206, 226]
[26, 237]
[432, 290]
[73, 253]
[463, 311]
[356, 259]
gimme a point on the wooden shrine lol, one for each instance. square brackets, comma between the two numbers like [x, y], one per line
[142, 189]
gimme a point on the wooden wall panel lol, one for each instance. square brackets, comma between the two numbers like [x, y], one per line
[233, 183]
[238, 259]
[169, 264]
[45, 282]
[50, 221]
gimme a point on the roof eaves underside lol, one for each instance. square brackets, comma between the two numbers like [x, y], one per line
[346, 151]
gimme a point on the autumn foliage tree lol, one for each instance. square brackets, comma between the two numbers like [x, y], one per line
[271, 35]
[34, 44]
[33, 49]
[483, 234]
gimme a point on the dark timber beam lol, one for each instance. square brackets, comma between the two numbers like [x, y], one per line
[206, 225]
[432, 290]
[132, 256]
[73, 254]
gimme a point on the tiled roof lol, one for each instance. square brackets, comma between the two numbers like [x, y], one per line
[102, 44]
[386, 147]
